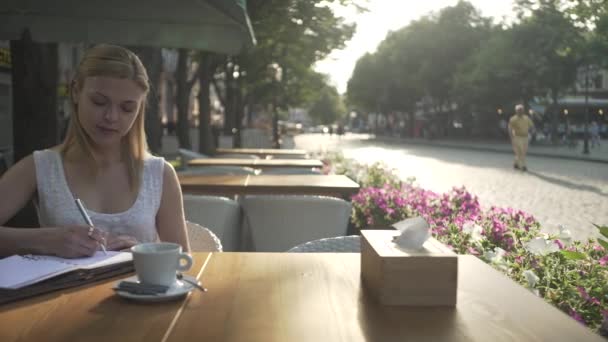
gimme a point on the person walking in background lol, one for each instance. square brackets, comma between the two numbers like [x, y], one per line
[594, 132]
[519, 127]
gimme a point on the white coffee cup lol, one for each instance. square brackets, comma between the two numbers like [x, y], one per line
[157, 263]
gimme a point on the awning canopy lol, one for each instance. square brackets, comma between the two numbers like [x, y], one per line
[212, 25]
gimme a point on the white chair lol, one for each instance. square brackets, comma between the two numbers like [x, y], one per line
[276, 223]
[220, 214]
[339, 244]
[291, 171]
[202, 239]
[218, 170]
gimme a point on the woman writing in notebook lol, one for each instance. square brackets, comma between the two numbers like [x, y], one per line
[130, 196]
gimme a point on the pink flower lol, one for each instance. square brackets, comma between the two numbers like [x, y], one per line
[604, 260]
[472, 251]
[583, 293]
[577, 316]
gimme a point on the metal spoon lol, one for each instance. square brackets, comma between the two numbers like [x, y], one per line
[195, 284]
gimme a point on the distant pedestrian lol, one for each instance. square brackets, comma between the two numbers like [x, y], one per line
[340, 130]
[519, 127]
[594, 132]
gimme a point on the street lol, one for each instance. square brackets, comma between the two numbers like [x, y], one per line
[556, 191]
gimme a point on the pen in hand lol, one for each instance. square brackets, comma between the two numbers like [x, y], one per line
[87, 219]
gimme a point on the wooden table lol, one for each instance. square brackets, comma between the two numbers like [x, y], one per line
[326, 185]
[257, 163]
[292, 297]
[91, 313]
[263, 152]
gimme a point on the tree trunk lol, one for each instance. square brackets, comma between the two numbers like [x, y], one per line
[182, 100]
[36, 126]
[152, 59]
[554, 116]
[229, 112]
[35, 80]
[239, 112]
[205, 73]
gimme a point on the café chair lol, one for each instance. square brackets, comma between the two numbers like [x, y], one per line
[338, 244]
[276, 223]
[202, 239]
[221, 215]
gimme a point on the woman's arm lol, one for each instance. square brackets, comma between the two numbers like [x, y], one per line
[170, 221]
[17, 186]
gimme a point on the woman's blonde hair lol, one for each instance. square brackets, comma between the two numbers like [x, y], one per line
[111, 61]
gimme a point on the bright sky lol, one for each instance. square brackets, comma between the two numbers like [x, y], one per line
[390, 15]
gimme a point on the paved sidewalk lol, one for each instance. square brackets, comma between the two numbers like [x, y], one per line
[596, 154]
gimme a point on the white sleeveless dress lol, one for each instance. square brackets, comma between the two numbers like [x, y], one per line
[56, 205]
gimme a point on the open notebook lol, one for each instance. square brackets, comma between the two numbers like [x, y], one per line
[27, 275]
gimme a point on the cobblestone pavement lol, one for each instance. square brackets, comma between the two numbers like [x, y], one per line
[556, 191]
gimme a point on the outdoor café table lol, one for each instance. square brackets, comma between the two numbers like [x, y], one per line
[91, 313]
[291, 297]
[319, 297]
[326, 185]
[263, 152]
[257, 163]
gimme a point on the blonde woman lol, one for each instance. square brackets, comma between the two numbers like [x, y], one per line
[130, 195]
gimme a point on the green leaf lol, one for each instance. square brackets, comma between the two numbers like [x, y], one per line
[574, 255]
[603, 229]
[604, 243]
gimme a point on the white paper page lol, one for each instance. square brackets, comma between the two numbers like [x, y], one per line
[110, 259]
[19, 271]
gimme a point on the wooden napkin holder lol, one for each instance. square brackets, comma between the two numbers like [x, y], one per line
[428, 277]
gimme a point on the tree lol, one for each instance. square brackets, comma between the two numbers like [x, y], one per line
[152, 59]
[328, 108]
[184, 84]
[295, 35]
[419, 61]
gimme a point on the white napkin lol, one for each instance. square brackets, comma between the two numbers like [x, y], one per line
[414, 232]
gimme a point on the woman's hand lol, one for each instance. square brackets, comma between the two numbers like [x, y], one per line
[115, 242]
[72, 241]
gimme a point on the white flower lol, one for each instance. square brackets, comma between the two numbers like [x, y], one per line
[540, 246]
[531, 277]
[473, 229]
[565, 236]
[495, 256]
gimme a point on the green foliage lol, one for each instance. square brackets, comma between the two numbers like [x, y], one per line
[457, 56]
[571, 275]
[295, 35]
[328, 107]
[418, 60]
[374, 175]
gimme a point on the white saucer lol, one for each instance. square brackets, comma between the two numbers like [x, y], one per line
[178, 290]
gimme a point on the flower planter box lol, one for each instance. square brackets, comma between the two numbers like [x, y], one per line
[428, 277]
